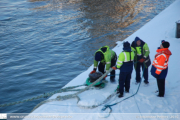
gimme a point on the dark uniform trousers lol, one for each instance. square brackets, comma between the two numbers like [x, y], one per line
[161, 86]
[138, 72]
[124, 81]
[101, 66]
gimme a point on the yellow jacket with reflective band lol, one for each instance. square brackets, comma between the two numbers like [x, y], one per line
[124, 57]
[108, 55]
[141, 51]
[137, 50]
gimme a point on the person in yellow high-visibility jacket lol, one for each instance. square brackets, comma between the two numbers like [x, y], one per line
[107, 57]
[125, 64]
[141, 59]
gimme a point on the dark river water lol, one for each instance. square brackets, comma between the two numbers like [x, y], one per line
[44, 44]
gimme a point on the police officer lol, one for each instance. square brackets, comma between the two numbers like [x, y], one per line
[125, 64]
[141, 59]
[107, 57]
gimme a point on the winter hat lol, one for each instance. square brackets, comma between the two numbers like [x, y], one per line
[98, 56]
[136, 39]
[165, 44]
[126, 46]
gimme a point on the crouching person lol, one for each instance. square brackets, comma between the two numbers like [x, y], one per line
[106, 57]
[160, 66]
[125, 64]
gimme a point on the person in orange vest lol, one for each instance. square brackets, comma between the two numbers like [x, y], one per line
[160, 66]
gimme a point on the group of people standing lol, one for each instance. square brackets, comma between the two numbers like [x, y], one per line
[137, 55]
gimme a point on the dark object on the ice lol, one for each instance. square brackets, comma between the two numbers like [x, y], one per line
[178, 29]
[120, 95]
[100, 84]
[93, 77]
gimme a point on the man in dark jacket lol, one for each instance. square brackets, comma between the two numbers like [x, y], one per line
[141, 59]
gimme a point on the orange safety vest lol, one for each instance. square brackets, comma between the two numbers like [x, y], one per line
[161, 59]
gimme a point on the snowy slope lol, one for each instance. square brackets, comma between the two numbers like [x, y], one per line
[162, 27]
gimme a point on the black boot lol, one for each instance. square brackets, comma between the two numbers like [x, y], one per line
[120, 95]
[146, 82]
[127, 91]
[112, 79]
[137, 82]
[160, 95]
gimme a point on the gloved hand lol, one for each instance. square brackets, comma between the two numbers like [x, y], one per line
[92, 72]
[142, 60]
[114, 68]
[105, 77]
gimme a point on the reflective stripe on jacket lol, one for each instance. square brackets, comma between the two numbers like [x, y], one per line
[125, 61]
[141, 51]
[161, 60]
[108, 55]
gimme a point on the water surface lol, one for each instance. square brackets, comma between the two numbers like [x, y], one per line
[46, 43]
